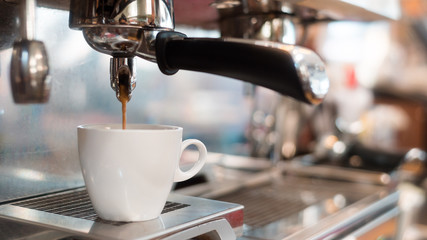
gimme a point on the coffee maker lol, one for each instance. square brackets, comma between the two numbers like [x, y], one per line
[38, 149]
[145, 29]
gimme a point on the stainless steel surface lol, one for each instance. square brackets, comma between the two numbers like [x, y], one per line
[29, 72]
[206, 16]
[122, 28]
[354, 10]
[123, 73]
[29, 67]
[270, 27]
[197, 217]
[313, 10]
[18, 230]
[145, 14]
[299, 168]
[37, 144]
[27, 18]
[280, 203]
[276, 206]
[278, 200]
[351, 218]
[335, 9]
[76, 204]
[391, 215]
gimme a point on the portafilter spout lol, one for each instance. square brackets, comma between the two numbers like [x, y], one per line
[122, 77]
[144, 28]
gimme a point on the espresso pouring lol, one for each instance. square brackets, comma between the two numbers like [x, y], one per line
[124, 98]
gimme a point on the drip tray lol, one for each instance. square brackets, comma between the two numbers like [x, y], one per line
[77, 204]
[276, 200]
[286, 205]
[72, 212]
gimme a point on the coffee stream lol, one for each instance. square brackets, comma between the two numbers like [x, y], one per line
[124, 98]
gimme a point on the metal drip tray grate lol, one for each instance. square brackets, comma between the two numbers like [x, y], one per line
[278, 200]
[70, 214]
[77, 204]
[264, 205]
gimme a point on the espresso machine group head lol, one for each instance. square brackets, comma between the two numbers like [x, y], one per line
[145, 28]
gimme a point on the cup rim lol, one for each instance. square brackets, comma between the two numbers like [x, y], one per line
[115, 127]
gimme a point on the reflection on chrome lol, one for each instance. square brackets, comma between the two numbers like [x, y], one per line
[29, 174]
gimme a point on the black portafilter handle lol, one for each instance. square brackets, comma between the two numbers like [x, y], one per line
[290, 70]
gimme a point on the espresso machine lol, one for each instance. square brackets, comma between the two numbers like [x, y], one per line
[42, 193]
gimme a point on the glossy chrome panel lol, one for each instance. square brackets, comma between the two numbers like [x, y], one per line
[119, 28]
[145, 14]
[122, 41]
[313, 9]
[123, 72]
[351, 218]
[283, 28]
[29, 66]
[119, 41]
[29, 72]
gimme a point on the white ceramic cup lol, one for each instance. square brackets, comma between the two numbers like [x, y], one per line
[129, 173]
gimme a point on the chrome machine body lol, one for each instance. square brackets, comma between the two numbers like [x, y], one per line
[42, 192]
[145, 29]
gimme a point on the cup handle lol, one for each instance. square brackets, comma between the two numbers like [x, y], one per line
[203, 153]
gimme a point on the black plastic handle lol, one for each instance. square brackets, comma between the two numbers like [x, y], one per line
[269, 67]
